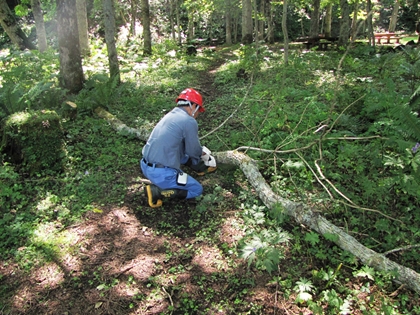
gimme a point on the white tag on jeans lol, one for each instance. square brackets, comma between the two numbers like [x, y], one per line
[182, 179]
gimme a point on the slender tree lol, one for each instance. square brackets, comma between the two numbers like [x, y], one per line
[328, 20]
[178, 22]
[354, 21]
[82, 25]
[228, 21]
[344, 23]
[171, 18]
[10, 26]
[415, 4]
[191, 19]
[147, 38]
[133, 8]
[110, 31]
[371, 36]
[39, 24]
[261, 20]
[270, 22]
[71, 71]
[246, 22]
[394, 17]
[314, 31]
[285, 34]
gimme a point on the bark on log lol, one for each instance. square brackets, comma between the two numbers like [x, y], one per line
[142, 134]
[301, 213]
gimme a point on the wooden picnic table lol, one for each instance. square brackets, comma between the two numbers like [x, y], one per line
[321, 41]
[388, 36]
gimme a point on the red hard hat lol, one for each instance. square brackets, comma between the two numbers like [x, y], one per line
[193, 96]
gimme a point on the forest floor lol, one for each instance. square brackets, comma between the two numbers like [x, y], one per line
[178, 259]
[132, 259]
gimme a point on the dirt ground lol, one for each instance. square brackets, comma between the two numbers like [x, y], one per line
[133, 259]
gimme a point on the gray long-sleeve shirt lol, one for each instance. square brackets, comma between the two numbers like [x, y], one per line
[175, 136]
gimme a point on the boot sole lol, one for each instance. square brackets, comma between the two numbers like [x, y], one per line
[149, 194]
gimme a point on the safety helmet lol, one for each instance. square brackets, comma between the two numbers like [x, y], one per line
[193, 96]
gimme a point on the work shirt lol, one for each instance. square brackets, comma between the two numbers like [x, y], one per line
[173, 138]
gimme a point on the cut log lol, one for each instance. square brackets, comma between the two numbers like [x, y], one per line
[300, 212]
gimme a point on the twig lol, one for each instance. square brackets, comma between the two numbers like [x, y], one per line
[125, 270]
[243, 148]
[371, 210]
[297, 125]
[342, 112]
[395, 293]
[275, 151]
[401, 249]
[233, 113]
[331, 184]
[313, 172]
[169, 296]
[355, 138]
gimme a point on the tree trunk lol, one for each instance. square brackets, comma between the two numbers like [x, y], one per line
[257, 8]
[314, 32]
[110, 31]
[285, 34]
[328, 20]
[236, 18]
[371, 36]
[171, 18]
[228, 21]
[344, 23]
[301, 213]
[418, 32]
[246, 22]
[416, 18]
[71, 71]
[133, 8]
[190, 34]
[354, 22]
[147, 38]
[82, 24]
[261, 22]
[39, 24]
[12, 29]
[270, 23]
[394, 17]
[178, 22]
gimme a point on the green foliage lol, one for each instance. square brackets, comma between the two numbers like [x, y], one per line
[262, 247]
[281, 109]
[35, 139]
[19, 91]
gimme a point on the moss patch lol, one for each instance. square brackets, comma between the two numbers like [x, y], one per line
[34, 139]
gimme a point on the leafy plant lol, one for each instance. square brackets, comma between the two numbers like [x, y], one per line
[264, 249]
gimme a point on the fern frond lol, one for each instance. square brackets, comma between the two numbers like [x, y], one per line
[407, 121]
[415, 99]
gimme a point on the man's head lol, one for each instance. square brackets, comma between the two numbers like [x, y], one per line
[189, 97]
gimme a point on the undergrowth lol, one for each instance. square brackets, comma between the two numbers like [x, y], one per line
[342, 139]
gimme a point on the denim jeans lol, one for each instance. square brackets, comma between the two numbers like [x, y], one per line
[165, 178]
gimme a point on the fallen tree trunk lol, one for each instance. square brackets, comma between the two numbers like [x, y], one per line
[301, 213]
[305, 215]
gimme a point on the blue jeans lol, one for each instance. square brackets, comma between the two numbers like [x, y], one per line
[165, 178]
